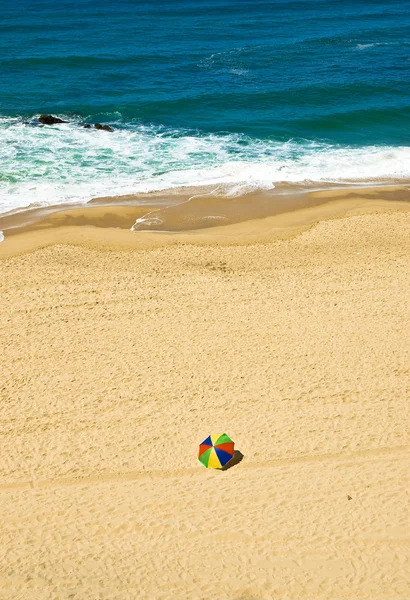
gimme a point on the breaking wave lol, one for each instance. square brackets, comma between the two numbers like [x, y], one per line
[66, 163]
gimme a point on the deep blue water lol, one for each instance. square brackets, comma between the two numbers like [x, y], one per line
[203, 91]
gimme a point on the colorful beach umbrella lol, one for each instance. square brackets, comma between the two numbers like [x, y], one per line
[216, 451]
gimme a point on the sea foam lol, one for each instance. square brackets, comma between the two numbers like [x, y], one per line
[66, 163]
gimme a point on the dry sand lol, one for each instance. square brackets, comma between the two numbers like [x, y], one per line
[121, 352]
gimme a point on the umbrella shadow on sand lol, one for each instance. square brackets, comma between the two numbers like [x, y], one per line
[235, 460]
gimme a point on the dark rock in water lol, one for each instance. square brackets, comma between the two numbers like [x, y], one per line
[87, 126]
[50, 120]
[103, 127]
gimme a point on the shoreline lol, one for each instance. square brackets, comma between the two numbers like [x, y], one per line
[256, 217]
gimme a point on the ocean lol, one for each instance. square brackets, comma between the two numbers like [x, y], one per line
[226, 93]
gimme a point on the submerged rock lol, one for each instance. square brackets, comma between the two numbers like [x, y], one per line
[50, 120]
[103, 127]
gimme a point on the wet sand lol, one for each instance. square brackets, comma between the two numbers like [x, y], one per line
[122, 351]
[191, 209]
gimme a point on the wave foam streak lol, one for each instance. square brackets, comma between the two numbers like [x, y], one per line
[66, 163]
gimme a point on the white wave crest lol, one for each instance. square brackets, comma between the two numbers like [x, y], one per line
[373, 44]
[66, 163]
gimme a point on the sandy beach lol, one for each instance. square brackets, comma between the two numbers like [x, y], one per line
[122, 351]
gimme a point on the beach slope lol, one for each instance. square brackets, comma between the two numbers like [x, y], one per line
[117, 362]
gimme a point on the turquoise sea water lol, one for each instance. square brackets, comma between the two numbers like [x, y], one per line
[221, 92]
